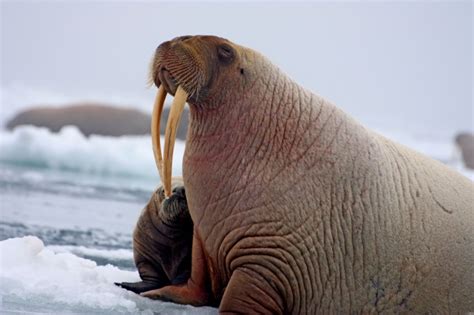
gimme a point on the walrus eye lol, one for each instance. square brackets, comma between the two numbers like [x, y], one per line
[225, 53]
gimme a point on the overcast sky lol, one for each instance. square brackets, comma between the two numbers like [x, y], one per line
[405, 65]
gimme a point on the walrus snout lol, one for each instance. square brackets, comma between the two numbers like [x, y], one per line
[185, 59]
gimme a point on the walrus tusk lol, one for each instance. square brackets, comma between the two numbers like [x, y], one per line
[176, 110]
[155, 129]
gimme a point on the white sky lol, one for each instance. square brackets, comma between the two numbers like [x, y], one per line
[394, 65]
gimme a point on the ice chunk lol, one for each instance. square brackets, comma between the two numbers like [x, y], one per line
[70, 150]
[34, 278]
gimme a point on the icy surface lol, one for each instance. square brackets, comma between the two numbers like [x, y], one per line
[42, 280]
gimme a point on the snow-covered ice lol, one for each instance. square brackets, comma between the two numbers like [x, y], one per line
[43, 280]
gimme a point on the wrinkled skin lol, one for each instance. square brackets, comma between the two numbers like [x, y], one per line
[162, 242]
[297, 208]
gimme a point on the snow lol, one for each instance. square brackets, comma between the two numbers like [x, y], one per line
[32, 275]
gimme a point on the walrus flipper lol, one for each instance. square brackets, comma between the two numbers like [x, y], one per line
[195, 290]
[153, 277]
[139, 287]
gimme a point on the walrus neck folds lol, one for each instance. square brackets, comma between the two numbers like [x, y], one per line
[269, 122]
[242, 113]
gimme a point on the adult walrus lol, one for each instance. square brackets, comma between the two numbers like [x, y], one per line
[162, 241]
[465, 143]
[91, 119]
[297, 207]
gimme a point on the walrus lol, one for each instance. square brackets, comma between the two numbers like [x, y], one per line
[465, 142]
[162, 238]
[162, 241]
[92, 118]
[300, 209]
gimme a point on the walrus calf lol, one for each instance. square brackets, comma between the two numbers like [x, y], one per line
[162, 241]
[298, 208]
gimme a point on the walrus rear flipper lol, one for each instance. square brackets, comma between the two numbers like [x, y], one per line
[139, 287]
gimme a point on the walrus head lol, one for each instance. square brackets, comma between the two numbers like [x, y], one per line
[194, 69]
[196, 64]
[174, 209]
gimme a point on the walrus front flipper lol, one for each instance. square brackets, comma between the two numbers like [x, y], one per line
[195, 290]
[153, 277]
[139, 287]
